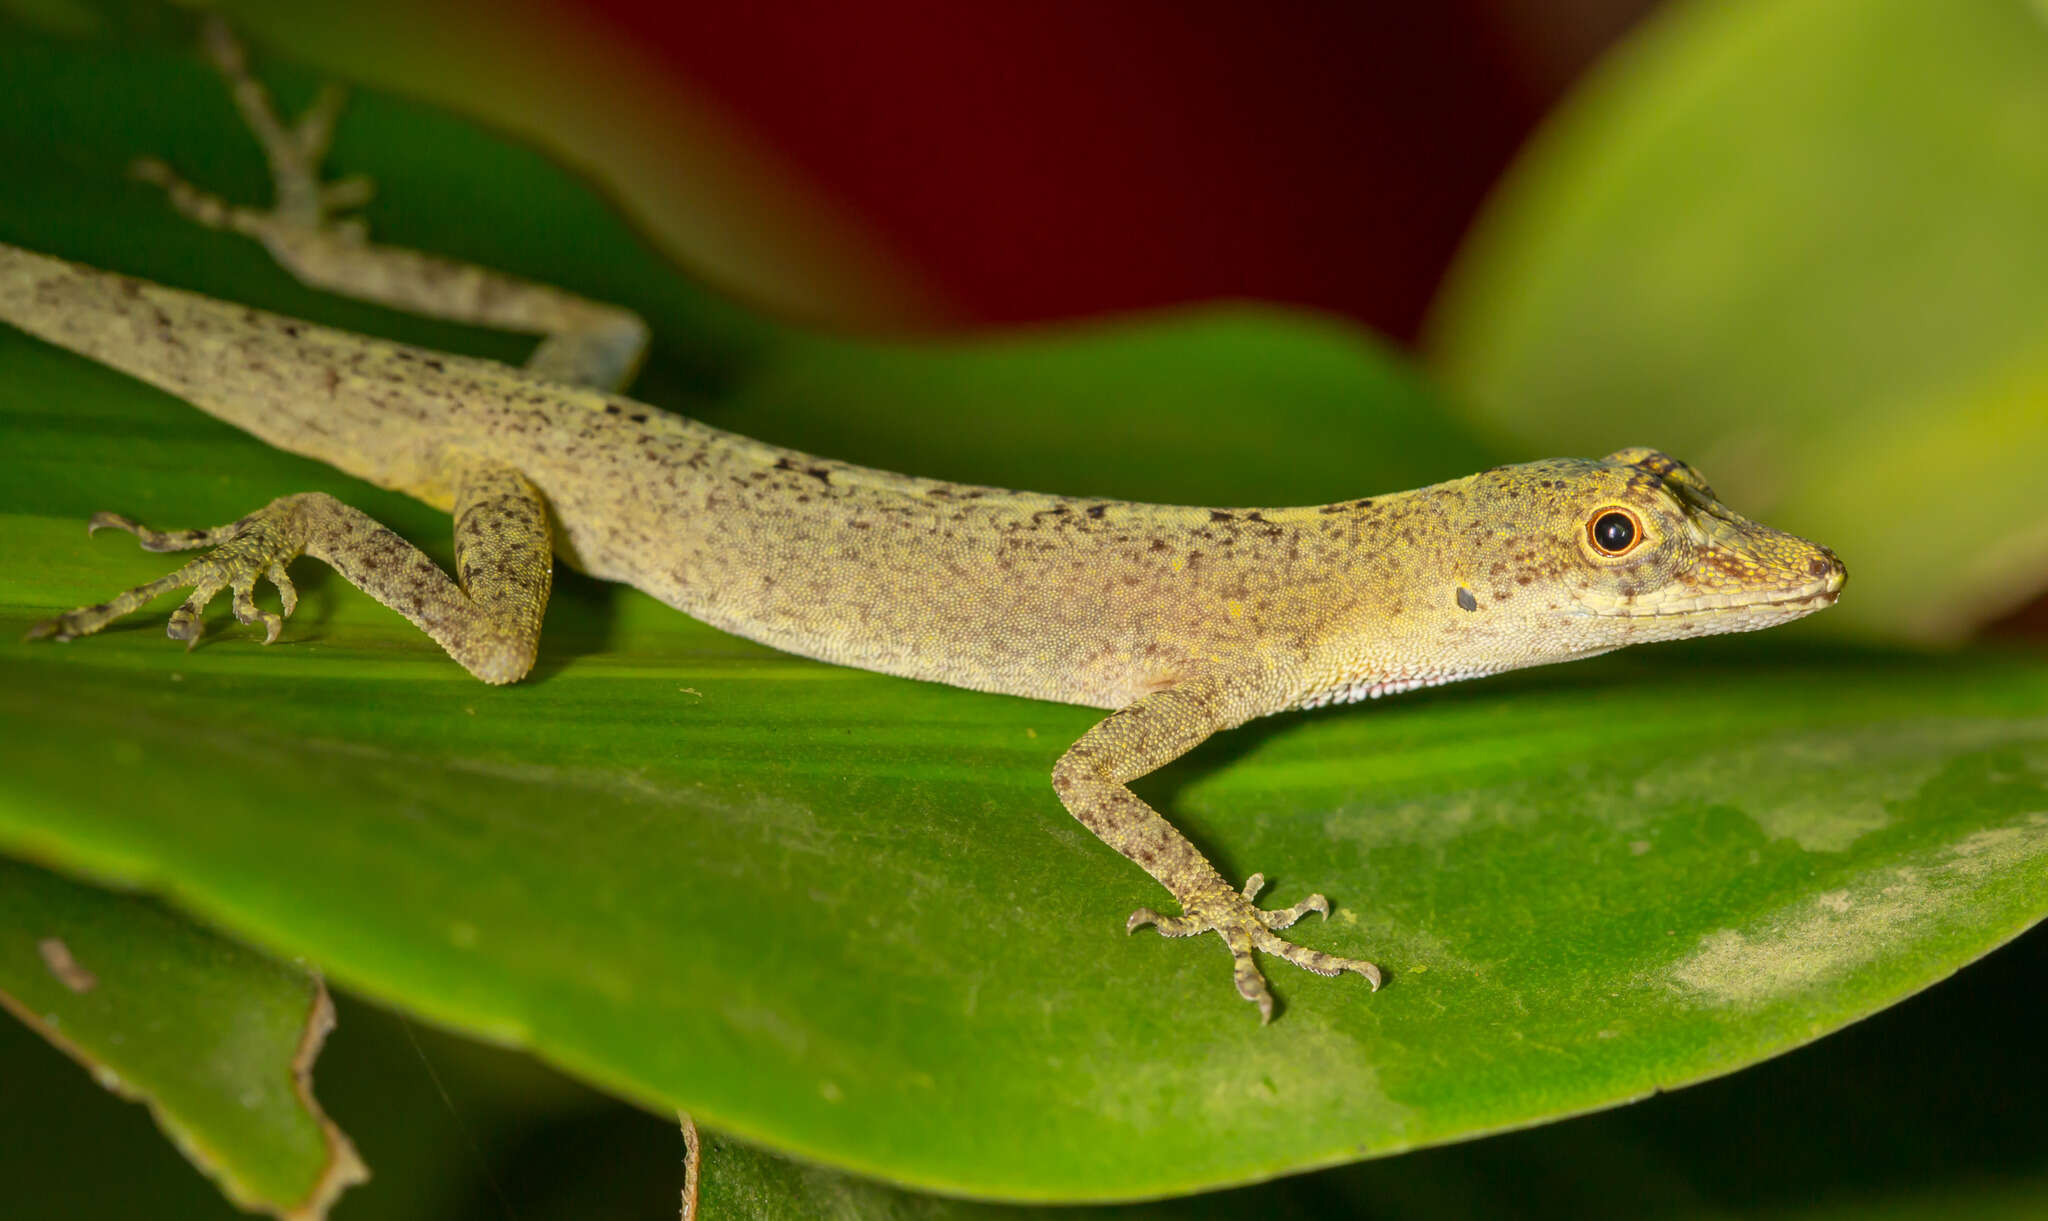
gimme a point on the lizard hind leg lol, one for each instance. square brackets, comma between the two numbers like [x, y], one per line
[584, 342]
[488, 618]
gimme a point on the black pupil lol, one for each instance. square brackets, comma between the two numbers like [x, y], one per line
[1614, 532]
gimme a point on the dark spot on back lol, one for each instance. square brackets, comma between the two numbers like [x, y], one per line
[1465, 599]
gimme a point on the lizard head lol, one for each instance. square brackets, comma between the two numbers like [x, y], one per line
[1629, 550]
[1641, 549]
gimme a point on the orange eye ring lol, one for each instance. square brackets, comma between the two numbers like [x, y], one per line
[1614, 531]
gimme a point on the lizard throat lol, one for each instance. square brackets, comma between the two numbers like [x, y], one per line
[1354, 690]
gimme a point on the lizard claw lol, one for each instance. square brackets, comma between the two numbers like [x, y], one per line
[1244, 928]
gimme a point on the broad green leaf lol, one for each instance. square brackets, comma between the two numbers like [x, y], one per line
[217, 1040]
[843, 916]
[1799, 243]
[836, 913]
[684, 907]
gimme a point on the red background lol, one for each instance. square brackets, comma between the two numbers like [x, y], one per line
[1048, 158]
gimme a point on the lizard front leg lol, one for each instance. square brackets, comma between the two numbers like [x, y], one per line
[1091, 780]
[488, 618]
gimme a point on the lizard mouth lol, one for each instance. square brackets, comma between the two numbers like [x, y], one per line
[1708, 604]
[1816, 594]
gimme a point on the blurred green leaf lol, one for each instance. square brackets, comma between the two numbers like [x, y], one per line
[843, 915]
[1799, 243]
[218, 1041]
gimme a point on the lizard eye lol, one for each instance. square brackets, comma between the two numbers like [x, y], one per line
[1615, 532]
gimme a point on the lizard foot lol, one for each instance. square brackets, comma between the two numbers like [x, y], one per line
[255, 548]
[306, 209]
[1244, 928]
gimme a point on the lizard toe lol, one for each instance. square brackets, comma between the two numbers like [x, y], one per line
[1285, 917]
[1250, 981]
[253, 549]
[1247, 930]
[1168, 926]
[1316, 960]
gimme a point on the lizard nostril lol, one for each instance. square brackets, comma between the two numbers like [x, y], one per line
[1829, 566]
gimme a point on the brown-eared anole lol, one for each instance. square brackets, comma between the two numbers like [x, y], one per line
[1184, 621]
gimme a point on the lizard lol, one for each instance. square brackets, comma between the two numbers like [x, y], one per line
[1183, 621]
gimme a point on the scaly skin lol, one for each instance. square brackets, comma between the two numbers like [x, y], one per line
[1187, 621]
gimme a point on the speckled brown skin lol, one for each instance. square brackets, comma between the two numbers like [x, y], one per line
[1184, 620]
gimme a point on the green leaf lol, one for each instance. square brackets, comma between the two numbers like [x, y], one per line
[218, 1041]
[842, 915]
[1799, 243]
[834, 912]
